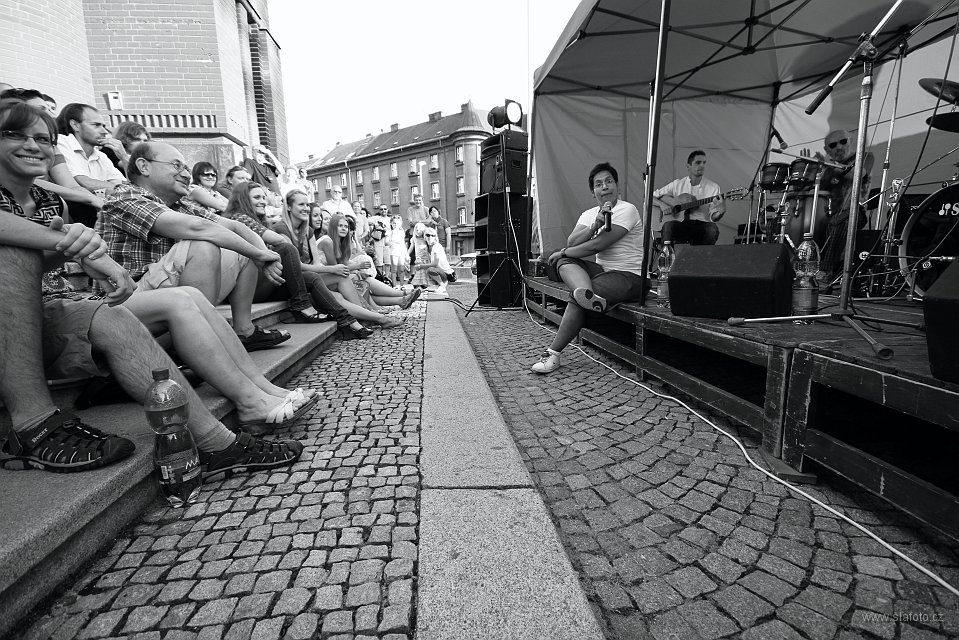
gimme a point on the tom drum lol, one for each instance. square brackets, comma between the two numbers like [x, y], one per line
[930, 233]
[774, 176]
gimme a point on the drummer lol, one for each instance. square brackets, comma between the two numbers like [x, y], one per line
[698, 227]
[839, 148]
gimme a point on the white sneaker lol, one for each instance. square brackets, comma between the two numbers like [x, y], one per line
[589, 300]
[441, 290]
[548, 364]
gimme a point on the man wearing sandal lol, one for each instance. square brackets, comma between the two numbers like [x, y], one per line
[164, 241]
[68, 337]
[615, 277]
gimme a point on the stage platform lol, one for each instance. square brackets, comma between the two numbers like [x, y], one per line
[816, 394]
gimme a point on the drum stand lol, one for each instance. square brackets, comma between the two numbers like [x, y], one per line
[866, 53]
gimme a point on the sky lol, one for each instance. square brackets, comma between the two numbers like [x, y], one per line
[372, 63]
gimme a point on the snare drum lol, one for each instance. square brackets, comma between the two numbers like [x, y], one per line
[774, 176]
[800, 214]
[802, 174]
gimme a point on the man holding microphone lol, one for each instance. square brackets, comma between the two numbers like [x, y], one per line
[613, 232]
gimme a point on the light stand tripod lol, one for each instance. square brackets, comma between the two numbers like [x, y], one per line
[867, 54]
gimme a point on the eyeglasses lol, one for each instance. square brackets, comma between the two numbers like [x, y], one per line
[20, 137]
[599, 184]
[208, 174]
[178, 166]
[429, 235]
[833, 145]
[383, 209]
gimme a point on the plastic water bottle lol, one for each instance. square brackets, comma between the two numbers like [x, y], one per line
[666, 258]
[175, 456]
[805, 287]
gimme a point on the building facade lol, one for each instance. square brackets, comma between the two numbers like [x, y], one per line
[203, 75]
[439, 158]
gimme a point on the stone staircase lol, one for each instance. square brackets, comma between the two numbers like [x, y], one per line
[52, 524]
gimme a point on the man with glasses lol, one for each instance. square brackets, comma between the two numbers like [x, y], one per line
[696, 226]
[615, 276]
[165, 241]
[336, 204]
[838, 147]
[82, 134]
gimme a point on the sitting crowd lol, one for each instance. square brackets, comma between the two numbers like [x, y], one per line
[163, 242]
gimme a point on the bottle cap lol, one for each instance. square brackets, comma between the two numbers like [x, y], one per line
[161, 374]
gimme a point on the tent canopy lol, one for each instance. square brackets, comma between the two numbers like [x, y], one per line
[728, 65]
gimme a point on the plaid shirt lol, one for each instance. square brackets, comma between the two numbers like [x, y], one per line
[126, 224]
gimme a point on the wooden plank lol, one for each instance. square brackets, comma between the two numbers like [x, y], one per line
[799, 401]
[913, 495]
[777, 383]
[755, 352]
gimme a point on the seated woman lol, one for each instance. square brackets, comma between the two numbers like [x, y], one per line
[436, 265]
[203, 189]
[341, 251]
[247, 205]
[127, 135]
[297, 227]
[615, 277]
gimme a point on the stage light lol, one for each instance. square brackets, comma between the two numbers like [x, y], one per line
[511, 113]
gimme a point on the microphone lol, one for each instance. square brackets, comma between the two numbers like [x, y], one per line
[608, 214]
[779, 138]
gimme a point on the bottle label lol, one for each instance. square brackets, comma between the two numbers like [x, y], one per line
[805, 301]
[178, 467]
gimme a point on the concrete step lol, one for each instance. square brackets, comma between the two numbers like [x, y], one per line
[52, 524]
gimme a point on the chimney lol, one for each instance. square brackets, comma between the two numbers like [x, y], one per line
[394, 127]
[465, 108]
[310, 157]
[436, 116]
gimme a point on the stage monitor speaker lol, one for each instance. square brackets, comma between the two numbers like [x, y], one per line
[941, 309]
[731, 280]
[501, 167]
[498, 282]
[491, 231]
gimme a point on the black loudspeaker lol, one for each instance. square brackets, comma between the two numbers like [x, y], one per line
[498, 282]
[940, 306]
[491, 231]
[731, 280]
[504, 159]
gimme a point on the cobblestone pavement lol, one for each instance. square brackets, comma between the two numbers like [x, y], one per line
[324, 549]
[675, 536]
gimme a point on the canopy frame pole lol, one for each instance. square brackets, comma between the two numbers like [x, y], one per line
[537, 233]
[656, 104]
[752, 229]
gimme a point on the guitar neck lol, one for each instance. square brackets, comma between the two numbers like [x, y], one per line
[696, 203]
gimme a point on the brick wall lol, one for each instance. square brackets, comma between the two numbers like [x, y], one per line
[43, 45]
[234, 66]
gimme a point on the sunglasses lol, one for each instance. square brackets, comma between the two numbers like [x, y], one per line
[208, 174]
[833, 145]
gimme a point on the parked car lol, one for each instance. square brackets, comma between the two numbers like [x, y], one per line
[467, 260]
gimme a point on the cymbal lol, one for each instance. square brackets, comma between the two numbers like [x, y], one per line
[945, 122]
[948, 90]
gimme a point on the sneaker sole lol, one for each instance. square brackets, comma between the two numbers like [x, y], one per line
[589, 300]
[247, 467]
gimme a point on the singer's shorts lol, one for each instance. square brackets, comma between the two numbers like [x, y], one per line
[614, 286]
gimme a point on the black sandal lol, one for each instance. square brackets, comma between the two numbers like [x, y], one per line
[302, 317]
[349, 333]
[63, 444]
[263, 338]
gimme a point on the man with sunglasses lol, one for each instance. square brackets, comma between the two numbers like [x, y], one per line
[838, 147]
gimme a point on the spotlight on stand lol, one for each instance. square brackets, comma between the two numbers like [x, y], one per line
[510, 114]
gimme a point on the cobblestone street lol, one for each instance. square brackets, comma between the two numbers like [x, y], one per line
[675, 536]
[326, 548]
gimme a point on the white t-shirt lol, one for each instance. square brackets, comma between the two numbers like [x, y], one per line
[627, 253]
[438, 255]
[705, 189]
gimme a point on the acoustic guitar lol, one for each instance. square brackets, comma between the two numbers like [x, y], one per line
[686, 202]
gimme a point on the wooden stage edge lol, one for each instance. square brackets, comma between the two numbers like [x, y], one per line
[816, 394]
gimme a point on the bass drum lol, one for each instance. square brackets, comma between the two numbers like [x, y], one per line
[799, 215]
[932, 230]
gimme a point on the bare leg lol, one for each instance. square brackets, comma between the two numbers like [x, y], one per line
[23, 385]
[200, 347]
[358, 311]
[202, 269]
[574, 316]
[241, 299]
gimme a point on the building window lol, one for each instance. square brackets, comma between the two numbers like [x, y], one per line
[376, 174]
[461, 212]
[434, 191]
[359, 176]
[460, 185]
[434, 162]
[412, 165]
[393, 173]
[394, 196]
[316, 185]
[376, 198]
[414, 191]
[343, 179]
[361, 199]
[459, 154]
[329, 182]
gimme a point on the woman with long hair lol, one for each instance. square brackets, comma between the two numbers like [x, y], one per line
[247, 204]
[203, 189]
[337, 247]
[297, 227]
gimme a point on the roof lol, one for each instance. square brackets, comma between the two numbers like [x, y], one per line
[468, 120]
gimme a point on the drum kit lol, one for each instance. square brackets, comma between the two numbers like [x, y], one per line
[798, 197]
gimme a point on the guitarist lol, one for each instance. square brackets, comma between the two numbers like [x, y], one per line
[694, 226]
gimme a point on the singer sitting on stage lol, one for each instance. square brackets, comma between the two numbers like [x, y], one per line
[696, 226]
[617, 243]
[838, 146]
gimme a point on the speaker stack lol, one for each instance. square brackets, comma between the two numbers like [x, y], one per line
[502, 233]
[941, 309]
